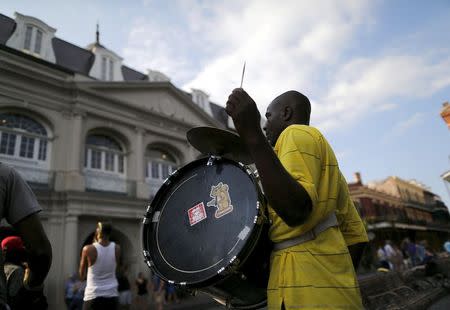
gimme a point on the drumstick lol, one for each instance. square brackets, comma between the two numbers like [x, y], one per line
[242, 78]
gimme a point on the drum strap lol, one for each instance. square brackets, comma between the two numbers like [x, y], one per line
[329, 221]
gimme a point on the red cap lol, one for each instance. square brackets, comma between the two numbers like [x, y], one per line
[12, 243]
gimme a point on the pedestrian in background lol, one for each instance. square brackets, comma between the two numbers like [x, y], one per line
[398, 258]
[15, 264]
[410, 249]
[382, 257]
[172, 293]
[390, 253]
[446, 246]
[420, 252]
[124, 288]
[69, 289]
[100, 259]
[78, 295]
[159, 291]
[142, 296]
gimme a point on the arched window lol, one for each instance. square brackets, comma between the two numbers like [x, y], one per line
[105, 154]
[23, 137]
[160, 164]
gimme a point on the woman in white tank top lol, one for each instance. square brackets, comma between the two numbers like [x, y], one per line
[100, 259]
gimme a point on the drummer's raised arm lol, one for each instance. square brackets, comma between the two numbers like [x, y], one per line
[285, 195]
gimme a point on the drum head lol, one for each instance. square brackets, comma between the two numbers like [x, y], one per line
[200, 221]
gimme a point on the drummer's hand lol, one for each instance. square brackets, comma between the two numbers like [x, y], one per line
[245, 114]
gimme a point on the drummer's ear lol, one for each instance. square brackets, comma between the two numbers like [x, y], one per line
[287, 113]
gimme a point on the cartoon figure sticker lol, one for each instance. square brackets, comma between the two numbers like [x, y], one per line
[197, 213]
[221, 199]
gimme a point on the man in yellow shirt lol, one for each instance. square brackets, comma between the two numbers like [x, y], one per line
[315, 227]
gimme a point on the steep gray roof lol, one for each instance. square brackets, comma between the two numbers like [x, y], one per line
[68, 55]
[133, 75]
[72, 57]
[7, 26]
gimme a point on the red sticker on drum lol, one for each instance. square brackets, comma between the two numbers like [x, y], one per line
[197, 213]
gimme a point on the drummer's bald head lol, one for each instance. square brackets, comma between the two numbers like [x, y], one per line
[297, 103]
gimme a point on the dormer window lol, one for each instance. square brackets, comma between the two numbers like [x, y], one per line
[107, 69]
[38, 42]
[33, 39]
[28, 38]
[104, 68]
[201, 99]
[111, 70]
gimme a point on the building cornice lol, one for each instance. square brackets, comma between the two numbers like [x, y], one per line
[93, 204]
[165, 85]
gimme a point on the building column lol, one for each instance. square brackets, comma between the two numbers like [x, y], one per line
[142, 188]
[54, 284]
[72, 146]
[71, 251]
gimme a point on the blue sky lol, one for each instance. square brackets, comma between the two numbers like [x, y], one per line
[377, 72]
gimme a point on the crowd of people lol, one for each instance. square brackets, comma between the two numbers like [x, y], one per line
[405, 255]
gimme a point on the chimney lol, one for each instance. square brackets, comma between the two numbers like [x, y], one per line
[358, 178]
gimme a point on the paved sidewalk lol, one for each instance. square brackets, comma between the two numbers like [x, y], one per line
[441, 304]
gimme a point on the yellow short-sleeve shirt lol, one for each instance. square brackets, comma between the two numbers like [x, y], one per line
[318, 273]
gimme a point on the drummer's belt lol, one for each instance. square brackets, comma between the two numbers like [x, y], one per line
[329, 221]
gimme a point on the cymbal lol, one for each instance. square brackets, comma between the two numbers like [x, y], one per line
[215, 141]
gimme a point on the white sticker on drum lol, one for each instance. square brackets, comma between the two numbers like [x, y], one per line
[244, 232]
[220, 199]
[156, 216]
[197, 213]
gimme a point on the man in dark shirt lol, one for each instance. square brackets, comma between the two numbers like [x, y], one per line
[20, 208]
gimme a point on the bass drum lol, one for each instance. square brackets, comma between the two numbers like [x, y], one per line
[207, 230]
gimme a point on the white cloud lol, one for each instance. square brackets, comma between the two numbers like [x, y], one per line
[288, 45]
[387, 107]
[150, 47]
[403, 126]
[282, 43]
[368, 85]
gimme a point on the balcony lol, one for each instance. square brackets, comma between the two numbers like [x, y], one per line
[99, 181]
[402, 222]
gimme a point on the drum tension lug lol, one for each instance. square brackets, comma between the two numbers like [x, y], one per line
[256, 174]
[233, 267]
[211, 160]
